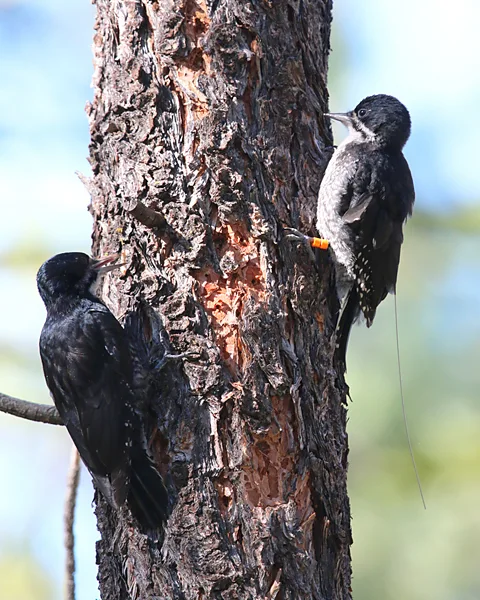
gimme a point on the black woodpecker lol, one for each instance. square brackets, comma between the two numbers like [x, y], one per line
[88, 368]
[365, 198]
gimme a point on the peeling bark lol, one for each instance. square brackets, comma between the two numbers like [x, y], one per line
[208, 114]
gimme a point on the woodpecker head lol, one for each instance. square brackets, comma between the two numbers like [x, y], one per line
[381, 119]
[70, 274]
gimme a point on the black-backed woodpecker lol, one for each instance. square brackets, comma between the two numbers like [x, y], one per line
[365, 197]
[88, 367]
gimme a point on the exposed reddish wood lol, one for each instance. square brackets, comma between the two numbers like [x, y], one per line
[223, 294]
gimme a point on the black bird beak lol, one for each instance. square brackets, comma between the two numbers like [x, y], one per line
[104, 264]
[345, 118]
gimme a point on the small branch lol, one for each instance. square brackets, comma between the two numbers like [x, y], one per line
[148, 217]
[32, 411]
[69, 517]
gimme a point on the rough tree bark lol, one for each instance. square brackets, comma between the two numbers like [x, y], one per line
[209, 112]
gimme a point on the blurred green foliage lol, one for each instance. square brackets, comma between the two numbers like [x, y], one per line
[463, 219]
[21, 577]
[400, 550]
[30, 251]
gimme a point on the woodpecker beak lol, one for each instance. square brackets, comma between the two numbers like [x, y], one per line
[104, 264]
[345, 118]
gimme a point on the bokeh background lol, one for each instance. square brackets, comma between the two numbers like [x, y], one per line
[425, 52]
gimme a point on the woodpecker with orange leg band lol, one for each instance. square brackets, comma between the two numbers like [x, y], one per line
[365, 198]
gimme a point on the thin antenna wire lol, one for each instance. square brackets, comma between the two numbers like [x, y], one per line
[404, 412]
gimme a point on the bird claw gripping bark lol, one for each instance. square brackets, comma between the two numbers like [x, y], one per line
[313, 242]
[309, 242]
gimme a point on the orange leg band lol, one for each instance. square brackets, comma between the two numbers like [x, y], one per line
[319, 243]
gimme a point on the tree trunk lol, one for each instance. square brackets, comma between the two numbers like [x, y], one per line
[207, 136]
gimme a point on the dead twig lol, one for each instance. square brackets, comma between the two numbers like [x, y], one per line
[32, 411]
[69, 517]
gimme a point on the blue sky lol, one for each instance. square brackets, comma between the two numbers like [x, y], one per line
[425, 52]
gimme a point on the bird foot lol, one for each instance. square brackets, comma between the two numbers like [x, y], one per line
[294, 235]
[312, 242]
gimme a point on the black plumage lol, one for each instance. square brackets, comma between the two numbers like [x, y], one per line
[88, 368]
[365, 197]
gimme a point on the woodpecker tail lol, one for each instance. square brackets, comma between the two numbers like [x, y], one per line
[148, 496]
[348, 316]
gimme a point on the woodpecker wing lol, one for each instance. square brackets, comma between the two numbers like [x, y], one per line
[88, 371]
[356, 210]
[375, 205]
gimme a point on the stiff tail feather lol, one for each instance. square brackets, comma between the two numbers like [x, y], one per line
[348, 316]
[148, 496]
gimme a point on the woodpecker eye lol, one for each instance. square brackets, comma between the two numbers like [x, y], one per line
[362, 112]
